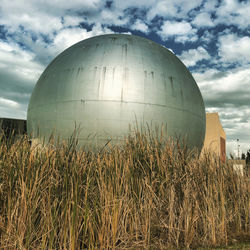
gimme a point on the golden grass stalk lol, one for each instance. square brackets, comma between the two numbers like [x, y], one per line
[146, 193]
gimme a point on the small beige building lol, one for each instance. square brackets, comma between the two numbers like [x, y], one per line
[215, 138]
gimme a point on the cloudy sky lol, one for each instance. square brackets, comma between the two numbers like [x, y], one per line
[211, 37]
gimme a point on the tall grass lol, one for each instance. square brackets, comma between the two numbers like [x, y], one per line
[141, 195]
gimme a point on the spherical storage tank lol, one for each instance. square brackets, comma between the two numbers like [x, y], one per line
[106, 83]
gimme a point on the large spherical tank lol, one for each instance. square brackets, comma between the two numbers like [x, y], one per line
[106, 83]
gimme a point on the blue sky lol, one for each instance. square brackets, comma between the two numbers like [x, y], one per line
[211, 37]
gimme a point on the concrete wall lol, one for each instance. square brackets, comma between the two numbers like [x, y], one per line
[215, 138]
[239, 166]
[17, 126]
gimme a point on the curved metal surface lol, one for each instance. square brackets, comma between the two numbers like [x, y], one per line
[107, 82]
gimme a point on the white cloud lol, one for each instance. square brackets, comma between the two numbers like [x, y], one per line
[176, 28]
[207, 36]
[16, 14]
[6, 102]
[210, 5]
[234, 49]
[182, 31]
[172, 8]
[186, 6]
[18, 61]
[71, 20]
[110, 17]
[192, 56]
[213, 82]
[192, 37]
[73, 5]
[203, 20]
[121, 4]
[234, 12]
[12, 109]
[18, 74]
[45, 16]
[164, 9]
[141, 26]
[70, 36]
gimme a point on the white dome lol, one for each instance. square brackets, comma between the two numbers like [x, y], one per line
[105, 83]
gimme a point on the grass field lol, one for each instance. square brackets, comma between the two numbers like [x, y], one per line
[143, 194]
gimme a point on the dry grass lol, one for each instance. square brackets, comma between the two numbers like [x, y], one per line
[140, 195]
